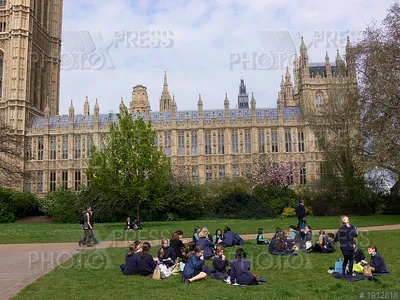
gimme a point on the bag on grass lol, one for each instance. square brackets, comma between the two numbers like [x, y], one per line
[339, 265]
[367, 271]
[165, 272]
[157, 274]
[308, 245]
[358, 268]
[181, 266]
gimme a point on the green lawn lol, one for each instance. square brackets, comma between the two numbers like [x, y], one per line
[95, 274]
[54, 233]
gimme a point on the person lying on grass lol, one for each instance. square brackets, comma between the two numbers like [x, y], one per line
[194, 266]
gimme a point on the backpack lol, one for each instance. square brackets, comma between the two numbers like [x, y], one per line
[82, 218]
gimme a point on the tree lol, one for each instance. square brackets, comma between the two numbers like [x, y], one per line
[264, 171]
[337, 129]
[11, 156]
[378, 66]
[130, 169]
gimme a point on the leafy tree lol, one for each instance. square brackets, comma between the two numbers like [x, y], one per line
[378, 66]
[130, 170]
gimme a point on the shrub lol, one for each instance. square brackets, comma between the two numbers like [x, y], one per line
[15, 205]
[243, 206]
[62, 206]
[288, 212]
[275, 197]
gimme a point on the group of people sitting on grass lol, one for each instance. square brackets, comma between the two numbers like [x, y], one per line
[287, 242]
[135, 225]
[174, 255]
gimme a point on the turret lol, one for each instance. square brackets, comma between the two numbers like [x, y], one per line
[86, 107]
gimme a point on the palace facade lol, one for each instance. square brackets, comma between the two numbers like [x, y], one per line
[208, 144]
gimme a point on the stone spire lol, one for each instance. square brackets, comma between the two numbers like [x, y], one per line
[304, 58]
[122, 106]
[96, 110]
[71, 111]
[165, 99]
[200, 106]
[350, 61]
[86, 107]
[328, 65]
[253, 102]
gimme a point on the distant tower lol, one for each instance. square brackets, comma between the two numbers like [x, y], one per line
[140, 100]
[243, 97]
[165, 100]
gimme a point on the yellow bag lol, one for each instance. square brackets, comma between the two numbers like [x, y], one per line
[358, 268]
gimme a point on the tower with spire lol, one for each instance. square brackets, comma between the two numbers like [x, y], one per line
[165, 99]
[243, 97]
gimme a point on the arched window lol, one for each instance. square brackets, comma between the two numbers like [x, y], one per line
[319, 98]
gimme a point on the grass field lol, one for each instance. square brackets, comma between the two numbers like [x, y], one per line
[95, 274]
[55, 233]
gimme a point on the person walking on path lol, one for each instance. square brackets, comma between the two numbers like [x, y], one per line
[345, 236]
[301, 215]
[87, 228]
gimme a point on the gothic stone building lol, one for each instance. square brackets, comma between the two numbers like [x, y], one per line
[30, 47]
[209, 144]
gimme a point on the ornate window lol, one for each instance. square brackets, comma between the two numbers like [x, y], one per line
[235, 143]
[53, 147]
[319, 98]
[207, 144]
[221, 147]
[303, 174]
[40, 148]
[181, 144]
[288, 140]
[65, 147]
[52, 181]
[247, 141]
[274, 141]
[261, 142]
[64, 181]
[300, 137]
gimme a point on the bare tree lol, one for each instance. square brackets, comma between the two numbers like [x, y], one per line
[378, 66]
[11, 156]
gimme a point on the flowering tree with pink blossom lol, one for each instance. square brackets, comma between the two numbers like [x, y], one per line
[264, 171]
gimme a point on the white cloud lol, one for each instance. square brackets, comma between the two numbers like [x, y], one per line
[205, 33]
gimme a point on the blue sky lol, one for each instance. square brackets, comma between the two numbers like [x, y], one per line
[205, 46]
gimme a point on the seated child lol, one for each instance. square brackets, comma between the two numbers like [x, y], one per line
[260, 237]
[193, 267]
[130, 267]
[377, 263]
[176, 243]
[129, 224]
[166, 254]
[186, 254]
[146, 263]
[358, 254]
[136, 225]
[290, 244]
[217, 239]
[306, 238]
[205, 244]
[293, 232]
[321, 243]
[330, 244]
[230, 238]
[240, 270]
[220, 263]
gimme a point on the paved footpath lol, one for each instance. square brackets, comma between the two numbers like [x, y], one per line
[21, 264]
